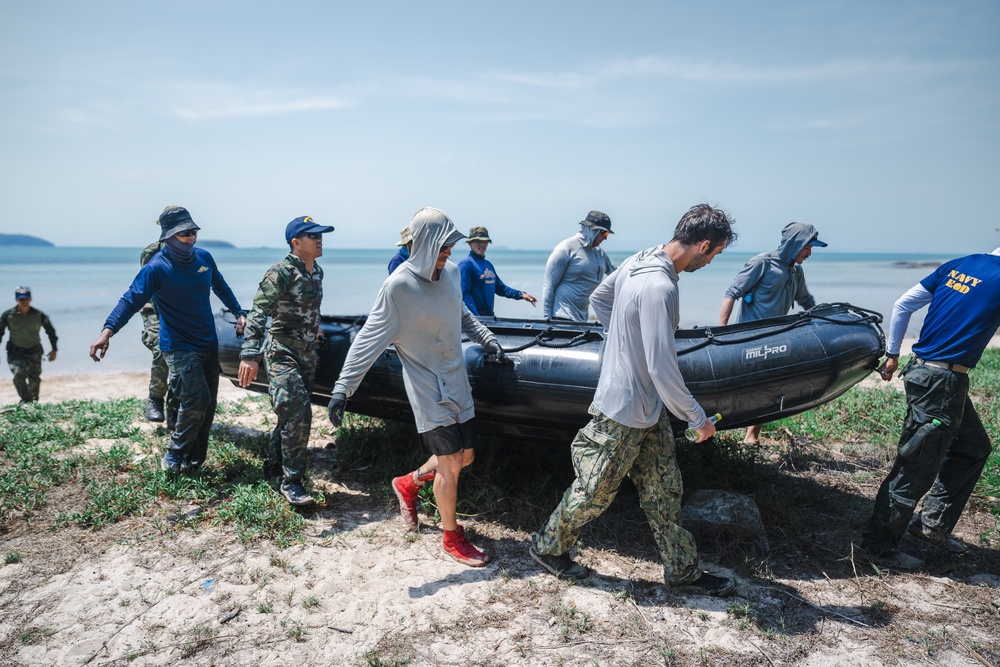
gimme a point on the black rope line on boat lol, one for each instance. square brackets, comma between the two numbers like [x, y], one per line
[546, 338]
[866, 316]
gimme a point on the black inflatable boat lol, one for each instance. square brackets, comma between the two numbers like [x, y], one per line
[751, 373]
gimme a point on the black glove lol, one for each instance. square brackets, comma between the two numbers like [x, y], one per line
[336, 409]
[493, 348]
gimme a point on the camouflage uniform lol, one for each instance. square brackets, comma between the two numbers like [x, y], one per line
[291, 297]
[603, 453]
[24, 349]
[151, 335]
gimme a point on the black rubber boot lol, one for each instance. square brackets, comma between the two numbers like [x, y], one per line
[154, 409]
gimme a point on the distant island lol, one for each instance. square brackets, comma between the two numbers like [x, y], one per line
[916, 265]
[22, 239]
[208, 243]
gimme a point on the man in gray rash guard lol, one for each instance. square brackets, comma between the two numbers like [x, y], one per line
[419, 310]
[575, 268]
[770, 283]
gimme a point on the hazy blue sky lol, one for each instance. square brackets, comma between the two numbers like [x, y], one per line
[876, 121]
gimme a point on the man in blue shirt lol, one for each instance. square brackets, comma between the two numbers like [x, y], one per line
[480, 282]
[943, 447]
[404, 245]
[179, 279]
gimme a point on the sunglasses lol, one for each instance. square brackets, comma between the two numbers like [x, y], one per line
[187, 232]
[312, 236]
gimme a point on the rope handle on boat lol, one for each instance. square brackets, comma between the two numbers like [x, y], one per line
[866, 316]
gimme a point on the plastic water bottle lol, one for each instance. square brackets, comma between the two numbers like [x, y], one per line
[692, 435]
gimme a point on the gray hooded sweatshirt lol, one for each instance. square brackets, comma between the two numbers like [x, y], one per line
[572, 271]
[640, 306]
[771, 283]
[424, 318]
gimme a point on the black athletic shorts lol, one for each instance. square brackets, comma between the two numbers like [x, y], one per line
[451, 439]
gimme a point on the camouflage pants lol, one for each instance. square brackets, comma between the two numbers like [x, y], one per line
[603, 453]
[291, 374]
[26, 365]
[194, 380]
[158, 373]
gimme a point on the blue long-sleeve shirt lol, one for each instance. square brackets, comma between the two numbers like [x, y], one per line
[481, 285]
[181, 295]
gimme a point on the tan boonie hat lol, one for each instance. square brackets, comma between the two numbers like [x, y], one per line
[479, 234]
[404, 236]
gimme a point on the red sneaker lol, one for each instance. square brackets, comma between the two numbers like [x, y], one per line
[406, 491]
[456, 546]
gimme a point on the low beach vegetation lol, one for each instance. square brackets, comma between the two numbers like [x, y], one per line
[97, 466]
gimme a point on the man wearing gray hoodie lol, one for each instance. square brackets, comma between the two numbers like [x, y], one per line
[771, 283]
[419, 310]
[575, 267]
[629, 432]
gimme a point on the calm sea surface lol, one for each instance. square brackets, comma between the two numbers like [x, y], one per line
[78, 287]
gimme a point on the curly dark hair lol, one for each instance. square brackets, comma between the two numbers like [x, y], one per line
[705, 222]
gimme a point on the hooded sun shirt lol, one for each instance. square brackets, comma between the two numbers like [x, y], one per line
[572, 271]
[640, 306]
[771, 283]
[424, 319]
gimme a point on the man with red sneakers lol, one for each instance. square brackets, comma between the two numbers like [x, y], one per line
[419, 311]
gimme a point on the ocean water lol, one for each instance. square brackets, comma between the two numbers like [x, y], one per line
[78, 287]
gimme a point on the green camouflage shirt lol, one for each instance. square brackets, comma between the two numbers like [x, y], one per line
[291, 297]
[24, 328]
[144, 257]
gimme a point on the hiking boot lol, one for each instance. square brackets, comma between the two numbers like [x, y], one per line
[406, 492]
[936, 537]
[562, 566]
[456, 546]
[708, 584]
[168, 467]
[295, 494]
[894, 559]
[154, 409]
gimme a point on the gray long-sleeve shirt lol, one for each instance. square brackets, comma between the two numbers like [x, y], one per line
[640, 306]
[574, 269]
[424, 318]
[771, 283]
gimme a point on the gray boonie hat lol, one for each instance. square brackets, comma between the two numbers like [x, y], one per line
[479, 234]
[599, 220]
[175, 219]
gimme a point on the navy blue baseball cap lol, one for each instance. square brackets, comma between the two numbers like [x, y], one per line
[22, 293]
[817, 243]
[304, 225]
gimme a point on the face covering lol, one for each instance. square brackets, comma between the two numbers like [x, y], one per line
[178, 251]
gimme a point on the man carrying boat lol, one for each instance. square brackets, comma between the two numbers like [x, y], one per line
[419, 311]
[290, 294]
[24, 345]
[575, 268]
[943, 446]
[771, 283]
[629, 432]
[180, 279]
[480, 282]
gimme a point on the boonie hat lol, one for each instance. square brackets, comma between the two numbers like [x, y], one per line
[22, 293]
[404, 236]
[479, 234]
[173, 220]
[599, 220]
[304, 225]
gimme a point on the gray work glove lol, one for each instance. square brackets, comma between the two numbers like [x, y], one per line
[493, 349]
[336, 409]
